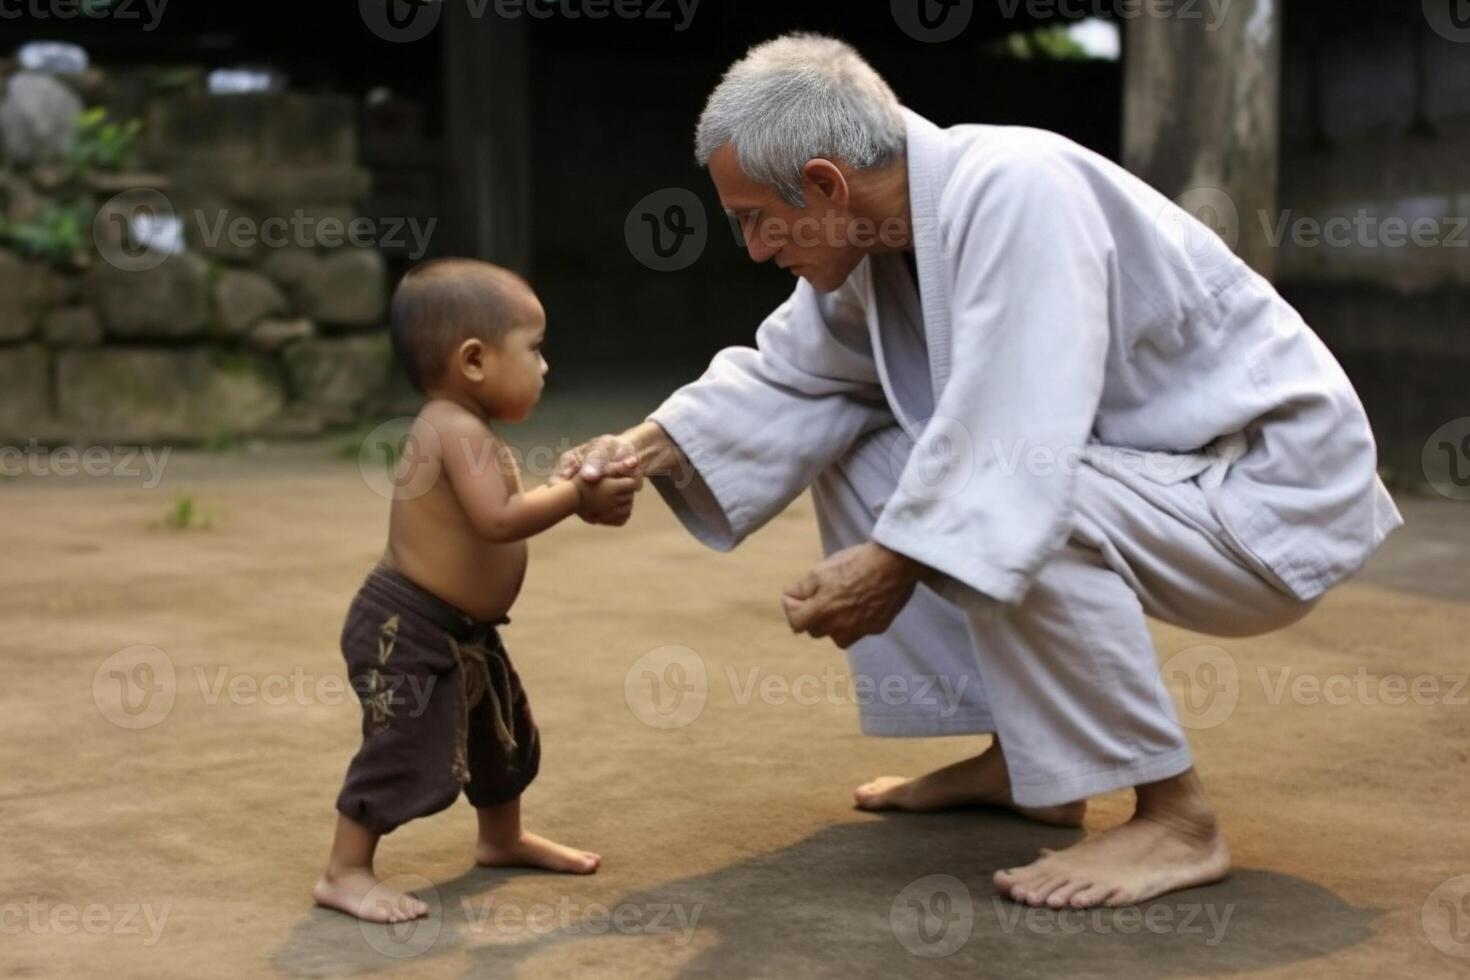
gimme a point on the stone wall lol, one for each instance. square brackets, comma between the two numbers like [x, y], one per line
[266, 316]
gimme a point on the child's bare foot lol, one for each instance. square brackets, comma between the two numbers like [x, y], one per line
[1172, 842]
[358, 892]
[533, 851]
[980, 781]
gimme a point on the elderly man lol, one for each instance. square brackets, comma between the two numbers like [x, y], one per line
[1035, 402]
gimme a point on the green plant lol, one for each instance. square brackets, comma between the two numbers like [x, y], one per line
[223, 440]
[57, 235]
[1051, 43]
[102, 144]
[185, 514]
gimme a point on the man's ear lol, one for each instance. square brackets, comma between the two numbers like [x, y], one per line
[470, 357]
[827, 178]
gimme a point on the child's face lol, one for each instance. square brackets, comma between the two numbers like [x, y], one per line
[515, 371]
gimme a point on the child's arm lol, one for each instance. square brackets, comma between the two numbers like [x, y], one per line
[477, 465]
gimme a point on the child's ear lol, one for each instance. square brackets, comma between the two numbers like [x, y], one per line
[470, 358]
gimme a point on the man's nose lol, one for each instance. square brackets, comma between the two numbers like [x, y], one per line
[760, 250]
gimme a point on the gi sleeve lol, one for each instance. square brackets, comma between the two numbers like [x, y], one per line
[763, 422]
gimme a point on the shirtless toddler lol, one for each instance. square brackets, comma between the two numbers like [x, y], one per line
[443, 709]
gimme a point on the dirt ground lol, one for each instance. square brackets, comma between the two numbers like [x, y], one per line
[176, 724]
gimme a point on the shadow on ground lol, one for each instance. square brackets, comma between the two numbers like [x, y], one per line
[902, 896]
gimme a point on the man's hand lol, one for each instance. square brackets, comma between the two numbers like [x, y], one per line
[610, 457]
[856, 592]
[608, 501]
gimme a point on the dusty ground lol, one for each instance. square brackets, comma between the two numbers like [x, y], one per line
[183, 842]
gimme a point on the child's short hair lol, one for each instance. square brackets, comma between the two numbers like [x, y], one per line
[443, 302]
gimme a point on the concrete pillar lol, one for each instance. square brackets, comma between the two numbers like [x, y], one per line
[487, 134]
[1201, 115]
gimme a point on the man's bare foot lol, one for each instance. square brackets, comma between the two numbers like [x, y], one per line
[358, 892]
[1171, 842]
[980, 781]
[533, 851]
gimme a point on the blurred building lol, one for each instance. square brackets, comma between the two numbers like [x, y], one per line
[528, 135]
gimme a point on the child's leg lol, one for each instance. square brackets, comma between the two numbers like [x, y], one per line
[349, 885]
[503, 843]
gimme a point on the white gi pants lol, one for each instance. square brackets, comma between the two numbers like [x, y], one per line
[1068, 680]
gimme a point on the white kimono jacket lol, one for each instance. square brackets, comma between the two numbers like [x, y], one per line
[1067, 308]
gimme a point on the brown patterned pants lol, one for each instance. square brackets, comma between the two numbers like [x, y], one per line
[443, 708]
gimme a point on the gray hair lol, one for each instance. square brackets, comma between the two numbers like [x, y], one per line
[794, 99]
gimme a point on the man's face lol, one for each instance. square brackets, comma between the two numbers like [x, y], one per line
[813, 241]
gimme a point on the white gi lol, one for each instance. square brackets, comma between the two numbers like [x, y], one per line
[1090, 411]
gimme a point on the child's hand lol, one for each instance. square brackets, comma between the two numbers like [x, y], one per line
[609, 500]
